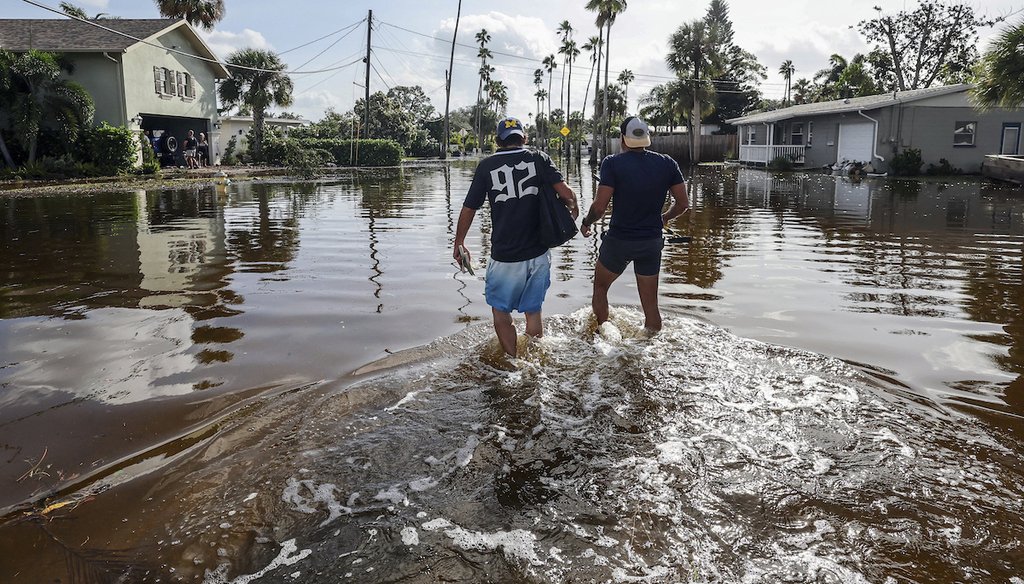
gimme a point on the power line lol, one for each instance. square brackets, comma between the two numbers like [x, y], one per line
[329, 47]
[303, 45]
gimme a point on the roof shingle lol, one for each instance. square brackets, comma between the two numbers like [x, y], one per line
[71, 36]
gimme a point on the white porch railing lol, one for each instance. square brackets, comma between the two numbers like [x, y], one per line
[765, 154]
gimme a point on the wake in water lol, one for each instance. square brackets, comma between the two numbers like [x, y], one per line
[689, 456]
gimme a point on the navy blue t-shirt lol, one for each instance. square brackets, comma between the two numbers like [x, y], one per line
[511, 180]
[641, 180]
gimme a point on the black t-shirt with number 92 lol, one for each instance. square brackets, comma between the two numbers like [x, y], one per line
[511, 180]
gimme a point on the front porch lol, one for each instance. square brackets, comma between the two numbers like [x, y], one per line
[764, 155]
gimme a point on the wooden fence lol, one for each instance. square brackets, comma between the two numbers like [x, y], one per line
[712, 148]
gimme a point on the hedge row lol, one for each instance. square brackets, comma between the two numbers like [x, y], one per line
[340, 152]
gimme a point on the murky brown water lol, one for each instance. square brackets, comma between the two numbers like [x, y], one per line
[837, 396]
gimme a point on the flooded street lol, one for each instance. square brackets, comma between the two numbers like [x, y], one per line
[290, 382]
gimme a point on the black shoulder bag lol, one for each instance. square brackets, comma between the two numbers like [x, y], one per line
[556, 223]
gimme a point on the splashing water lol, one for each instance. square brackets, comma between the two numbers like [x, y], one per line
[610, 455]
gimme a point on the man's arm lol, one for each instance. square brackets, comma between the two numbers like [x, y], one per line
[568, 197]
[597, 208]
[680, 203]
[461, 229]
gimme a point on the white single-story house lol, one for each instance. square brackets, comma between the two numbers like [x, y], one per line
[238, 127]
[157, 75]
[939, 121]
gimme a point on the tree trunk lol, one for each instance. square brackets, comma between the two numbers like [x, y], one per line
[258, 116]
[568, 111]
[695, 149]
[597, 94]
[607, 114]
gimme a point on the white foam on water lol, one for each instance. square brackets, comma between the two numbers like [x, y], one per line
[284, 558]
[517, 544]
[887, 435]
[423, 484]
[410, 536]
[436, 524]
[392, 495]
[323, 493]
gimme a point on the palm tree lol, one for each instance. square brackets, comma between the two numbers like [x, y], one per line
[787, 70]
[999, 76]
[482, 38]
[260, 86]
[541, 96]
[34, 94]
[564, 29]
[593, 45]
[693, 55]
[572, 52]
[538, 80]
[625, 78]
[803, 91]
[549, 65]
[202, 13]
[607, 11]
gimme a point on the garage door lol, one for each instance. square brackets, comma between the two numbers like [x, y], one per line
[856, 142]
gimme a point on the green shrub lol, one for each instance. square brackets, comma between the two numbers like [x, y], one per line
[907, 163]
[150, 165]
[943, 169]
[111, 148]
[369, 152]
[230, 158]
[781, 164]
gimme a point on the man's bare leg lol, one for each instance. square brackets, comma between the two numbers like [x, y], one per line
[505, 330]
[648, 288]
[534, 325]
[603, 278]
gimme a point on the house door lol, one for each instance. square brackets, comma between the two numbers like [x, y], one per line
[1011, 139]
[856, 142]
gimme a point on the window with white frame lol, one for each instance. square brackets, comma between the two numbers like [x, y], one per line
[963, 133]
[796, 134]
[810, 133]
[751, 134]
[169, 83]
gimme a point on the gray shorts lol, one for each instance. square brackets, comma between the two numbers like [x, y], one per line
[645, 254]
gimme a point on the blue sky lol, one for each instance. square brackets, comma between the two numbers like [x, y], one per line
[806, 31]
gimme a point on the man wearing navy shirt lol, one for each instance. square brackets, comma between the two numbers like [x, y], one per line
[635, 182]
[519, 271]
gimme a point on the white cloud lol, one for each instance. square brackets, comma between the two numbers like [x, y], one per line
[224, 42]
[98, 4]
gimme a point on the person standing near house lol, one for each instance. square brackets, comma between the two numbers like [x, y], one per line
[188, 150]
[635, 182]
[203, 151]
[519, 270]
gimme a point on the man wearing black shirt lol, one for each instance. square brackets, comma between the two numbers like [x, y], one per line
[519, 271]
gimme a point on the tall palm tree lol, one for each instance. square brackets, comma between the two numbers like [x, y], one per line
[34, 94]
[260, 86]
[593, 45]
[607, 11]
[999, 76]
[202, 13]
[693, 55]
[625, 78]
[549, 65]
[787, 70]
[565, 29]
[482, 38]
[538, 80]
[542, 96]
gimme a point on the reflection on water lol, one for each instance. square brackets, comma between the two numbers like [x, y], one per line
[177, 348]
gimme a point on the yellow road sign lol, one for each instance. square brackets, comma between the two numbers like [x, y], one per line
[564, 131]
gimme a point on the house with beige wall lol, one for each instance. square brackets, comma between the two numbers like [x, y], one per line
[146, 74]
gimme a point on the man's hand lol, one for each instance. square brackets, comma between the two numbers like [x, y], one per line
[456, 255]
[585, 229]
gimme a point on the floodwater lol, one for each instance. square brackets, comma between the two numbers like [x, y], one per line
[290, 382]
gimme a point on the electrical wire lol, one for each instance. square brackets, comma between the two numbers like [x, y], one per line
[322, 38]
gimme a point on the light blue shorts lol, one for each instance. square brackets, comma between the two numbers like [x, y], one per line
[518, 285]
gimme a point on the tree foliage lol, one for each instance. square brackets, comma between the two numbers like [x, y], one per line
[999, 76]
[36, 97]
[202, 13]
[406, 116]
[933, 43]
[258, 83]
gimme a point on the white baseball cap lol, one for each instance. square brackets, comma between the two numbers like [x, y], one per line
[635, 132]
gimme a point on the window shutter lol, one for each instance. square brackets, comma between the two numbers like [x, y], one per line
[181, 83]
[190, 86]
[168, 82]
[157, 81]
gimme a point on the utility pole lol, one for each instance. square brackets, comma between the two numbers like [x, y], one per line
[369, 33]
[448, 84]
